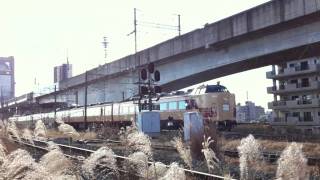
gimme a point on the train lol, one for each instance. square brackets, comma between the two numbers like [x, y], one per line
[214, 102]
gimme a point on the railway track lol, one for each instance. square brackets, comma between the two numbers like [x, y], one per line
[288, 137]
[272, 157]
[74, 153]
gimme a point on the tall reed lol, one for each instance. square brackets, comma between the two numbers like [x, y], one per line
[183, 151]
[292, 163]
[40, 130]
[174, 172]
[250, 157]
[101, 164]
[210, 156]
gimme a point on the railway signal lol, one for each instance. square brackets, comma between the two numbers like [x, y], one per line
[156, 76]
[149, 76]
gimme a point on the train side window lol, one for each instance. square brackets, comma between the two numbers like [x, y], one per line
[131, 109]
[108, 110]
[182, 105]
[172, 105]
[163, 106]
[155, 107]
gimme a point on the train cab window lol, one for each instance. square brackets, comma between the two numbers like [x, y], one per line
[182, 105]
[163, 106]
[226, 107]
[215, 88]
[191, 104]
[172, 105]
[156, 107]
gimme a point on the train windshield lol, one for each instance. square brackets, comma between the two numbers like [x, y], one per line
[215, 88]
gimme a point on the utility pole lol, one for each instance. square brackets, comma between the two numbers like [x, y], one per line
[179, 25]
[135, 29]
[55, 101]
[135, 52]
[150, 92]
[1, 99]
[85, 100]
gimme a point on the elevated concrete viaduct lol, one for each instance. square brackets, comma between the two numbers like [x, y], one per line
[274, 32]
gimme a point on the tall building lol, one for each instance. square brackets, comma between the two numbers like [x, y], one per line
[249, 112]
[62, 72]
[296, 89]
[7, 84]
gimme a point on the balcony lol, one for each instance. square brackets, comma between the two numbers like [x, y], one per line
[313, 85]
[277, 121]
[293, 71]
[294, 104]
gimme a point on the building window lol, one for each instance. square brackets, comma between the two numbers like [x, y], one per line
[305, 82]
[307, 116]
[294, 97]
[296, 114]
[304, 65]
[172, 105]
[318, 113]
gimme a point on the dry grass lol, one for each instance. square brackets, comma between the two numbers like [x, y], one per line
[40, 130]
[3, 152]
[55, 162]
[68, 130]
[82, 135]
[254, 129]
[174, 172]
[157, 170]
[27, 134]
[13, 130]
[20, 165]
[137, 163]
[88, 135]
[138, 141]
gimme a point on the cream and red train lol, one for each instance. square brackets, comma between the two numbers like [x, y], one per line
[214, 102]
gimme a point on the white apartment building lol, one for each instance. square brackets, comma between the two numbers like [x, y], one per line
[296, 90]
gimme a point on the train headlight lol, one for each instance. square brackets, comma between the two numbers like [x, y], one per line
[170, 123]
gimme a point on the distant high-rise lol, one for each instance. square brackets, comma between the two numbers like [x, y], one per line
[249, 112]
[7, 85]
[62, 72]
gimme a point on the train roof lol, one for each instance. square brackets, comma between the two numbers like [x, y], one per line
[203, 89]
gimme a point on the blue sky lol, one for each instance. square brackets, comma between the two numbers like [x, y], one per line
[38, 33]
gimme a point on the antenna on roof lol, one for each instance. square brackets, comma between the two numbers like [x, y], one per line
[67, 56]
[105, 44]
[247, 96]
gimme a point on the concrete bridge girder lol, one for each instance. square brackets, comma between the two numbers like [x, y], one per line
[276, 31]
